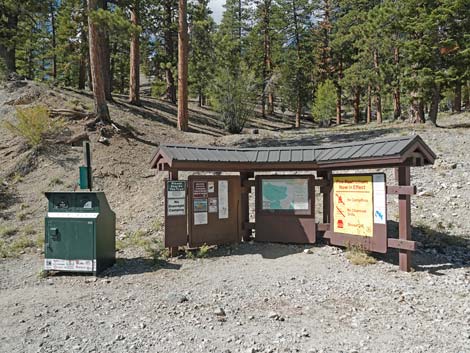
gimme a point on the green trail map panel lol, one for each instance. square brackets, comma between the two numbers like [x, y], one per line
[285, 194]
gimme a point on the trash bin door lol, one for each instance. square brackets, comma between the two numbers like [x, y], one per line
[71, 240]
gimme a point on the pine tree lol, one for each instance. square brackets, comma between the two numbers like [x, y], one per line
[96, 63]
[183, 48]
[134, 75]
[296, 58]
[202, 58]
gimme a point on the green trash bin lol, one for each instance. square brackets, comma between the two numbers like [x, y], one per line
[80, 234]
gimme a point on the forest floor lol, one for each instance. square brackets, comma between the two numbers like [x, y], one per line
[246, 298]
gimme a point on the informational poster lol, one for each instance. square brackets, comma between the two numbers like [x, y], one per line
[176, 207]
[200, 218]
[353, 205]
[285, 194]
[380, 199]
[200, 189]
[176, 197]
[210, 187]
[223, 199]
[212, 205]
[200, 205]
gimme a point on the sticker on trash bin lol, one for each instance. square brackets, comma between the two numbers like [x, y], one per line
[69, 265]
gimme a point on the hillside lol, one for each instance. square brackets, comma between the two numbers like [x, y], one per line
[122, 170]
[250, 297]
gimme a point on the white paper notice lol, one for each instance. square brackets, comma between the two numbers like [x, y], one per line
[200, 218]
[210, 187]
[223, 199]
[380, 199]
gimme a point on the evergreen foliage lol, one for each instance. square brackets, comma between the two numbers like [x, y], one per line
[325, 100]
[391, 59]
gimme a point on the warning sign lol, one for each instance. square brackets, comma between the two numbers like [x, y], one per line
[200, 189]
[353, 205]
[176, 198]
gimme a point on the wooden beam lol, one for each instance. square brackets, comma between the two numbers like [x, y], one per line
[402, 244]
[245, 205]
[248, 183]
[401, 190]
[249, 225]
[323, 227]
[404, 212]
[321, 182]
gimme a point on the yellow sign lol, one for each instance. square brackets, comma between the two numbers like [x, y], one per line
[353, 205]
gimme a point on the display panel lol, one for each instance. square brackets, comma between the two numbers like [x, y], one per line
[353, 205]
[285, 194]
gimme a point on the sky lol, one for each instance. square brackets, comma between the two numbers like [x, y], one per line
[217, 9]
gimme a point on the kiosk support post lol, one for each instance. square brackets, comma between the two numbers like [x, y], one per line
[404, 211]
[245, 205]
[173, 175]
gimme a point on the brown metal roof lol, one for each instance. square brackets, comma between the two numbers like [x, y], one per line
[362, 154]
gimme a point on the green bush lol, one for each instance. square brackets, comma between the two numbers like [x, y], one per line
[232, 97]
[324, 106]
[34, 125]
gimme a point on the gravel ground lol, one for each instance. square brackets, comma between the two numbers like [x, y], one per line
[250, 298]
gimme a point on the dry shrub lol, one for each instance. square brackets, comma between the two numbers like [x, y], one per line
[35, 125]
[358, 256]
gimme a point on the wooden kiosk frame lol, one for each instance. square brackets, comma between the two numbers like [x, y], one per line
[322, 162]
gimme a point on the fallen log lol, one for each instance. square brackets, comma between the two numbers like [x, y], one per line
[71, 114]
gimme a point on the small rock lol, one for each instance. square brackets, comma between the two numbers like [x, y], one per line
[308, 251]
[273, 315]
[119, 338]
[219, 312]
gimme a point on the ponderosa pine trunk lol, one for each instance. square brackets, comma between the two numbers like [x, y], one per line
[82, 73]
[103, 41]
[53, 34]
[200, 97]
[267, 69]
[134, 75]
[396, 90]
[396, 103]
[369, 105]
[339, 92]
[467, 96]
[98, 79]
[356, 105]
[457, 104]
[298, 110]
[378, 107]
[378, 89]
[435, 99]
[8, 53]
[338, 105]
[183, 48]
[169, 49]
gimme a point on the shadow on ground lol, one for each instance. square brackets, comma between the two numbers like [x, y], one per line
[317, 139]
[138, 265]
[437, 249]
[266, 250]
